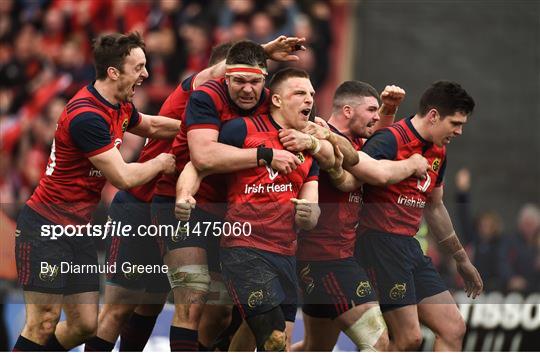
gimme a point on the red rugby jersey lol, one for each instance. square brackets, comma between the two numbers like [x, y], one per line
[397, 208]
[71, 188]
[261, 196]
[173, 107]
[335, 234]
[208, 107]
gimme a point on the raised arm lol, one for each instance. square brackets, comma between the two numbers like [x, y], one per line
[391, 98]
[442, 229]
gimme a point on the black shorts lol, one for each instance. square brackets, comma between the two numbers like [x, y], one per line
[259, 281]
[197, 232]
[46, 265]
[331, 288]
[138, 249]
[397, 267]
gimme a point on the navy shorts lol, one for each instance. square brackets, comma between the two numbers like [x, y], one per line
[197, 232]
[138, 249]
[397, 267]
[259, 281]
[331, 288]
[47, 265]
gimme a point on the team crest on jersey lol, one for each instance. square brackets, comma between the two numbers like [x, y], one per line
[398, 291]
[363, 289]
[124, 125]
[436, 164]
[301, 157]
[50, 274]
[255, 298]
[132, 275]
[309, 283]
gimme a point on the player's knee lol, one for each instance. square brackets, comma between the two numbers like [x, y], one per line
[276, 342]
[411, 341]
[85, 328]
[118, 315]
[369, 332]
[193, 277]
[454, 331]
[45, 323]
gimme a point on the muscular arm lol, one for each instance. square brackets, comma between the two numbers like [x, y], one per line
[211, 157]
[441, 228]
[156, 126]
[127, 175]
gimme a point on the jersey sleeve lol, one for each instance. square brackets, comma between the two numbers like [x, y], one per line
[90, 133]
[135, 118]
[233, 133]
[187, 84]
[440, 176]
[382, 145]
[201, 112]
[313, 173]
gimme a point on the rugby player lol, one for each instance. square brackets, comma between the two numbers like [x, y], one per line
[123, 312]
[239, 93]
[259, 267]
[84, 156]
[409, 288]
[337, 293]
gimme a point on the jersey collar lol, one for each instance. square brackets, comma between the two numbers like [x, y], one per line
[96, 94]
[414, 131]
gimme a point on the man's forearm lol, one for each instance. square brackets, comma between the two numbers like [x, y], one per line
[441, 228]
[217, 158]
[350, 155]
[135, 174]
[189, 182]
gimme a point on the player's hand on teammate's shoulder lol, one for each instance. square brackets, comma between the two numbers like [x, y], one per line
[391, 98]
[183, 207]
[294, 140]
[168, 162]
[283, 47]
[284, 161]
[420, 165]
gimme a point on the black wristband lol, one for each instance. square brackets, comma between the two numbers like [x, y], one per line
[265, 154]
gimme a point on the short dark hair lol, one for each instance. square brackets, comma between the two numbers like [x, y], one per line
[248, 53]
[110, 50]
[350, 90]
[285, 74]
[448, 98]
[219, 52]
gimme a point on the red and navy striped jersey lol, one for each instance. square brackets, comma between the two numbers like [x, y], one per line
[335, 234]
[173, 107]
[398, 208]
[71, 188]
[261, 196]
[208, 107]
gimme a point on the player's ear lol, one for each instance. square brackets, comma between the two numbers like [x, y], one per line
[347, 111]
[433, 116]
[113, 73]
[276, 100]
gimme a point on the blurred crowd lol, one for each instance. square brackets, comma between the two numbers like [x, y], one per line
[508, 257]
[45, 57]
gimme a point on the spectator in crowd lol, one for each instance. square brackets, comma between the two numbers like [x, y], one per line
[484, 238]
[524, 253]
